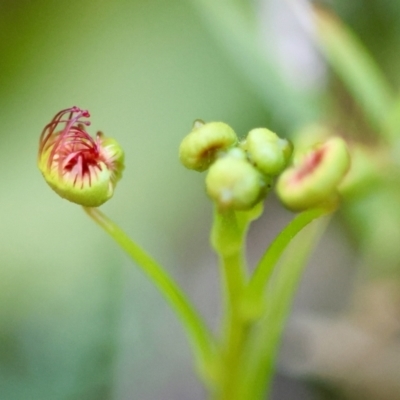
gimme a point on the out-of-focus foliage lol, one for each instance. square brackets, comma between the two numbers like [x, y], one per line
[377, 25]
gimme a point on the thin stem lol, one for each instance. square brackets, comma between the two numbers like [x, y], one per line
[228, 236]
[234, 334]
[280, 295]
[228, 239]
[198, 334]
[268, 261]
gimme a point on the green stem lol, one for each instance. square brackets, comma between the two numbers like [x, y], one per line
[267, 263]
[234, 334]
[280, 295]
[199, 336]
[228, 239]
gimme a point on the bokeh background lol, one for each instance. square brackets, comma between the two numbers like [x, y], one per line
[77, 320]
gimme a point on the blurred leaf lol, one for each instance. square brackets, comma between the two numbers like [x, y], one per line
[236, 29]
[280, 296]
[375, 222]
[391, 127]
[355, 66]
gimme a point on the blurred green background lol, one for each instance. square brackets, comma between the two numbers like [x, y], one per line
[77, 321]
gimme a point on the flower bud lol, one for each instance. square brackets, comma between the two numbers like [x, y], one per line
[267, 151]
[233, 183]
[314, 180]
[76, 166]
[368, 169]
[201, 146]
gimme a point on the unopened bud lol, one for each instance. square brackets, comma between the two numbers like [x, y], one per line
[233, 183]
[200, 148]
[269, 153]
[316, 176]
[78, 167]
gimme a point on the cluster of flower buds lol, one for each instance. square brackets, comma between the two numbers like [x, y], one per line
[78, 167]
[240, 173]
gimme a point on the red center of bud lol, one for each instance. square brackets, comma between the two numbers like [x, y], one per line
[309, 164]
[73, 151]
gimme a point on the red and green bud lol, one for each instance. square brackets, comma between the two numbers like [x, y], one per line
[79, 168]
[315, 177]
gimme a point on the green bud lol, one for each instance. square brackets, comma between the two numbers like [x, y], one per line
[368, 168]
[269, 153]
[233, 183]
[316, 176]
[200, 148]
[76, 166]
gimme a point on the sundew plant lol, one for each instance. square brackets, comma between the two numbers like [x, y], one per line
[335, 159]
[238, 361]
